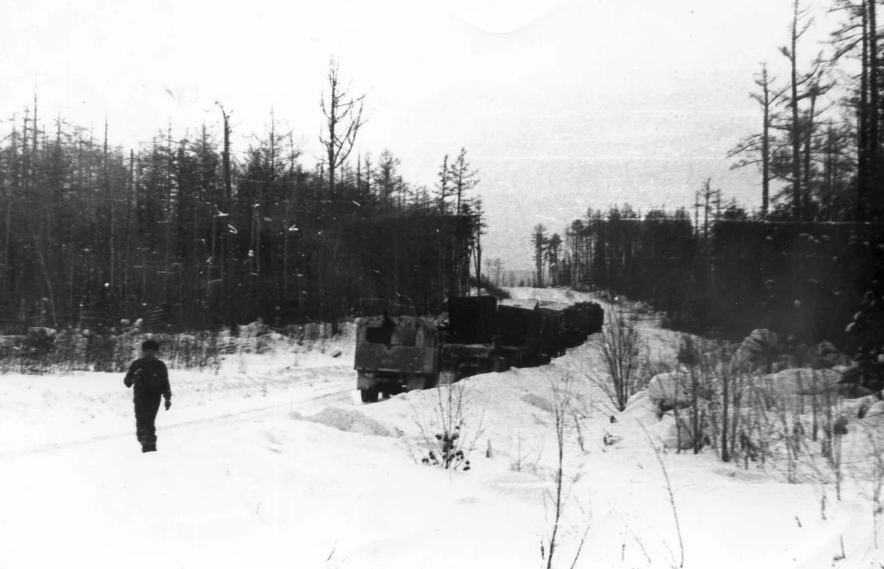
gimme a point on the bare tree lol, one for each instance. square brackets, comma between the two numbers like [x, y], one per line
[873, 147]
[623, 351]
[229, 282]
[343, 118]
[801, 22]
[858, 34]
[671, 496]
[758, 146]
[564, 405]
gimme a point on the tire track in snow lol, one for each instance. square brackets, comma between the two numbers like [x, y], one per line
[333, 392]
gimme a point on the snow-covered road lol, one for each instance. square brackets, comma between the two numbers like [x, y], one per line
[239, 480]
[271, 461]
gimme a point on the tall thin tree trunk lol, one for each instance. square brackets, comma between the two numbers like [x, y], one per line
[42, 259]
[862, 119]
[808, 142]
[10, 204]
[765, 146]
[110, 200]
[796, 134]
[130, 191]
[230, 285]
[874, 143]
[725, 401]
[168, 215]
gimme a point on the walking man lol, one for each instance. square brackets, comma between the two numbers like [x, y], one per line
[150, 379]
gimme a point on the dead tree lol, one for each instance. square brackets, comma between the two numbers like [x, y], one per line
[758, 146]
[801, 22]
[343, 118]
[230, 281]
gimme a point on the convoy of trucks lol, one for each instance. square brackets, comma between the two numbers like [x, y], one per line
[479, 334]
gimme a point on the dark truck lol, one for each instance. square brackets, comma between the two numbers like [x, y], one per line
[403, 353]
[395, 354]
[569, 325]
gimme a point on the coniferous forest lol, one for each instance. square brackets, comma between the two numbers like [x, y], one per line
[186, 231]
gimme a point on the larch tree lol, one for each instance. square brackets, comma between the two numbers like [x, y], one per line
[857, 38]
[479, 225]
[873, 193]
[757, 147]
[463, 179]
[387, 181]
[539, 241]
[443, 185]
[229, 231]
[836, 182]
[497, 267]
[553, 257]
[801, 22]
[343, 119]
[817, 87]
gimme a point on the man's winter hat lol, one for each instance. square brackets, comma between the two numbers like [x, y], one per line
[150, 345]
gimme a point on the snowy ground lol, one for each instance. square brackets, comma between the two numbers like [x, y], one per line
[273, 462]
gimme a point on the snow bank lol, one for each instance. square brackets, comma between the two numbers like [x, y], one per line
[348, 420]
[670, 389]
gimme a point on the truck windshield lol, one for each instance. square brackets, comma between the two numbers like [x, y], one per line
[401, 333]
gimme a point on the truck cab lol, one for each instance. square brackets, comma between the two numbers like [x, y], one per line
[395, 354]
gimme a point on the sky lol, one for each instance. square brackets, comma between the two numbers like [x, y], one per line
[561, 105]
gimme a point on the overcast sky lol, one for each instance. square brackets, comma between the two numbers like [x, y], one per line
[561, 105]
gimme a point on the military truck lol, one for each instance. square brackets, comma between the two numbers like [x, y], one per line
[521, 326]
[403, 353]
[573, 323]
[395, 354]
[583, 319]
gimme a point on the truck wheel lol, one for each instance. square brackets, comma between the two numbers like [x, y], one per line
[390, 391]
[369, 394]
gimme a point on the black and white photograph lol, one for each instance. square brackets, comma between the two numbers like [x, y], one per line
[430, 285]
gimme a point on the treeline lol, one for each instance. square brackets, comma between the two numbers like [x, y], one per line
[729, 276]
[185, 233]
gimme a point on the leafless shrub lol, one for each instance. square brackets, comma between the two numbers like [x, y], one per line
[448, 435]
[871, 473]
[564, 404]
[625, 357]
[83, 350]
[671, 495]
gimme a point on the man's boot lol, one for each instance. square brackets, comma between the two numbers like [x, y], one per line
[149, 447]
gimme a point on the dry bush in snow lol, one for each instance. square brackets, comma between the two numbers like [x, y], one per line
[449, 434]
[625, 358]
[566, 407]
